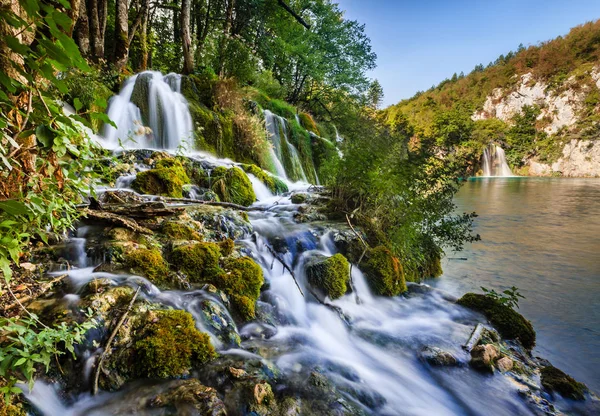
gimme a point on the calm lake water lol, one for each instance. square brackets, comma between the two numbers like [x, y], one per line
[543, 236]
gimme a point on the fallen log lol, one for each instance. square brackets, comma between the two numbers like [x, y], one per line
[115, 219]
[474, 338]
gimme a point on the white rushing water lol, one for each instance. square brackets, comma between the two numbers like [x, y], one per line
[493, 162]
[277, 129]
[149, 112]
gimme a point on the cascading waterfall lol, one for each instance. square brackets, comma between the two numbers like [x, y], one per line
[283, 151]
[149, 112]
[493, 162]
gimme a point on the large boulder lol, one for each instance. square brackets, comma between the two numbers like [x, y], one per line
[483, 357]
[510, 324]
[232, 185]
[167, 179]
[384, 272]
[555, 380]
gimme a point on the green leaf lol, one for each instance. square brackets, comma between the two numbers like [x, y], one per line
[12, 207]
[103, 117]
[62, 20]
[77, 104]
[45, 136]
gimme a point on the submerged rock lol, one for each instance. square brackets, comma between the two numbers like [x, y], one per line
[555, 380]
[438, 357]
[508, 322]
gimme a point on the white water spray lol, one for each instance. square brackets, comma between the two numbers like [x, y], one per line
[494, 162]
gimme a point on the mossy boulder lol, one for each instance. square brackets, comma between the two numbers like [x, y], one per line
[510, 324]
[167, 179]
[384, 272]
[275, 185]
[331, 275]
[242, 281]
[232, 185]
[299, 198]
[180, 231]
[555, 380]
[199, 262]
[170, 345]
[308, 123]
[150, 264]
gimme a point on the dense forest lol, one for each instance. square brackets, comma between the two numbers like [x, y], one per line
[456, 111]
[300, 59]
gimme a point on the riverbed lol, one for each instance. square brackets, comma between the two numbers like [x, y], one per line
[541, 235]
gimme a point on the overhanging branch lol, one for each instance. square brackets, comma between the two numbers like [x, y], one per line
[293, 13]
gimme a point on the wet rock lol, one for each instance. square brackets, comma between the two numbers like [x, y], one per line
[384, 272]
[329, 275]
[220, 223]
[438, 357]
[505, 364]
[484, 356]
[507, 321]
[217, 320]
[184, 395]
[554, 380]
[299, 198]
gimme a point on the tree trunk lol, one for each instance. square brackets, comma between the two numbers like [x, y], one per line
[144, 37]
[226, 31]
[121, 52]
[97, 21]
[201, 36]
[186, 38]
[82, 30]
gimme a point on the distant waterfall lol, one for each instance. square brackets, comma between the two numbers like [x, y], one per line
[285, 156]
[493, 162]
[150, 111]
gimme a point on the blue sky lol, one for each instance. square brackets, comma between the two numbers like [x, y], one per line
[419, 43]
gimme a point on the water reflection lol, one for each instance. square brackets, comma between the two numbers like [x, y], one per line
[543, 236]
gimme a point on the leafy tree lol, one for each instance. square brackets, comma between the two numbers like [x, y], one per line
[375, 94]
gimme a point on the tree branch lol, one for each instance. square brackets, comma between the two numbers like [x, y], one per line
[293, 13]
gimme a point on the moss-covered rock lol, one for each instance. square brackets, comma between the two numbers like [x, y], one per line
[148, 263]
[299, 198]
[140, 94]
[242, 280]
[308, 123]
[170, 346]
[180, 231]
[275, 185]
[166, 179]
[199, 262]
[510, 324]
[555, 380]
[329, 274]
[384, 272]
[232, 185]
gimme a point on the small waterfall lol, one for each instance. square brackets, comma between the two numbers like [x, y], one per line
[260, 189]
[493, 162]
[286, 156]
[150, 111]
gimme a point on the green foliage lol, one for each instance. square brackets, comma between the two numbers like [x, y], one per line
[27, 345]
[375, 95]
[307, 122]
[148, 263]
[331, 275]
[555, 380]
[171, 346]
[506, 320]
[522, 135]
[232, 185]
[509, 297]
[384, 272]
[275, 185]
[166, 179]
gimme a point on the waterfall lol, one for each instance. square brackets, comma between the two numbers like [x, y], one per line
[493, 162]
[149, 111]
[285, 155]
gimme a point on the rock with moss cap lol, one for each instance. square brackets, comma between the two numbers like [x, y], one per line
[275, 185]
[242, 281]
[510, 324]
[149, 263]
[177, 230]
[167, 179]
[384, 272]
[232, 185]
[555, 380]
[329, 275]
[199, 262]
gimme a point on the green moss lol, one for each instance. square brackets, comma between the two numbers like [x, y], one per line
[308, 123]
[199, 262]
[242, 280]
[226, 246]
[179, 231]
[148, 263]
[555, 380]
[508, 322]
[331, 275]
[171, 345]
[232, 185]
[275, 185]
[299, 198]
[166, 179]
[384, 272]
